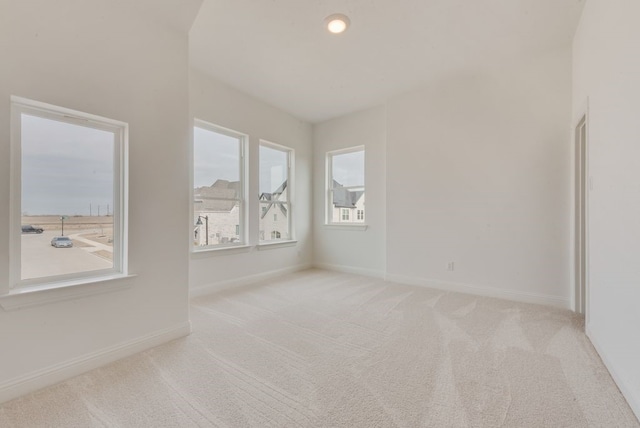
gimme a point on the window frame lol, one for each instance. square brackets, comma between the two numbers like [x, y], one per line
[20, 106]
[329, 186]
[345, 214]
[242, 199]
[290, 193]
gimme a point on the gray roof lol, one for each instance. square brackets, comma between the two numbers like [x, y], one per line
[220, 196]
[345, 198]
[275, 196]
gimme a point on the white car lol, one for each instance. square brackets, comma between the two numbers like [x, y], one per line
[62, 242]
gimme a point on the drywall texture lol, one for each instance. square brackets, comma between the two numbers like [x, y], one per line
[607, 73]
[478, 175]
[101, 58]
[219, 104]
[353, 250]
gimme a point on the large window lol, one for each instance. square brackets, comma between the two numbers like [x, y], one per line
[275, 192]
[219, 186]
[68, 188]
[345, 186]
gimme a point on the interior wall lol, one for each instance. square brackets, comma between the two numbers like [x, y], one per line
[606, 77]
[478, 173]
[97, 57]
[343, 248]
[219, 104]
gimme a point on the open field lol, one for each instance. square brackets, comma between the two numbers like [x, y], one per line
[53, 222]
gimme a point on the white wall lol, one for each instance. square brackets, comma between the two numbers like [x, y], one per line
[340, 247]
[222, 105]
[478, 174]
[607, 73]
[99, 57]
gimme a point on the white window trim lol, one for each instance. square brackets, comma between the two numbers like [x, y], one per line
[66, 290]
[328, 211]
[227, 250]
[242, 200]
[270, 245]
[290, 192]
[347, 226]
[17, 286]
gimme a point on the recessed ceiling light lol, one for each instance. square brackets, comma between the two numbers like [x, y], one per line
[337, 23]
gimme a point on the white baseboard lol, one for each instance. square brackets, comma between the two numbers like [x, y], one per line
[480, 290]
[39, 379]
[244, 280]
[350, 269]
[621, 381]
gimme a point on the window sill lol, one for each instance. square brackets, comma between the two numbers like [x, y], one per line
[25, 297]
[231, 249]
[358, 227]
[267, 245]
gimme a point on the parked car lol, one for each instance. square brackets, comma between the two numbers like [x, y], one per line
[62, 242]
[27, 228]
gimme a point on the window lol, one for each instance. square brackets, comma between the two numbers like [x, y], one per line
[218, 186]
[275, 192]
[68, 184]
[345, 186]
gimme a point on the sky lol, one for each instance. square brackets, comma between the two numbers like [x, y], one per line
[217, 156]
[68, 168]
[65, 168]
[348, 168]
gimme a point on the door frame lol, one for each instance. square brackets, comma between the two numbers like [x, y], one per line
[581, 188]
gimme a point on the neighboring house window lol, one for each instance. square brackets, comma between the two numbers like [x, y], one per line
[219, 185]
[275, 191]
[345, 185]
[68, 185]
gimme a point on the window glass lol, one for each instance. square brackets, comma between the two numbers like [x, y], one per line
[346, 186]
[275, 204]
[70, 198]
[218, 187]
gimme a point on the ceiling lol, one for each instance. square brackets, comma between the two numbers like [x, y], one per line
[280, 52]
[177, 14]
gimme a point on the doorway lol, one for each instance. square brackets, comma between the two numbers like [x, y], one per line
[581, 217]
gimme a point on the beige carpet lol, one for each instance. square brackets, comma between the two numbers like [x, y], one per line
[321, 349]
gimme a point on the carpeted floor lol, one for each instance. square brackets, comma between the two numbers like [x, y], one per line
[322, 349]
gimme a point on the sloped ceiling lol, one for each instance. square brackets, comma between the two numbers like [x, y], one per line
[178, 14]
[279, 51]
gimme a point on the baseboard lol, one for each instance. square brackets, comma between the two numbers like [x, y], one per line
[350, 269]
[480, 290]
[621, 382]
[245, 280]
[39, 379]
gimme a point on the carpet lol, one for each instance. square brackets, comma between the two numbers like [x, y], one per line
[325, 349]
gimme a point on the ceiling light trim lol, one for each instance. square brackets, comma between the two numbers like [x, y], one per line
[337, 23]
